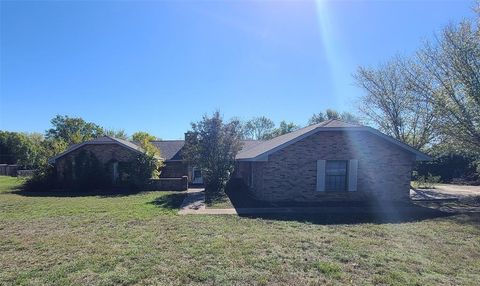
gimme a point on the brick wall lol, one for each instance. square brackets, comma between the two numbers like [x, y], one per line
[174, 169]
[384, 169]
[168, 184]
[103, 152]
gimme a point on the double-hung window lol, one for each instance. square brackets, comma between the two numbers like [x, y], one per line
[336, 175]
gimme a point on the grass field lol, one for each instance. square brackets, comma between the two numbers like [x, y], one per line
[139, 239]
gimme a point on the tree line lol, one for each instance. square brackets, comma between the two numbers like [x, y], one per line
[263, 128]
[32, 150]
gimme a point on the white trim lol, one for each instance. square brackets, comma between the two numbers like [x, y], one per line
[419, 156]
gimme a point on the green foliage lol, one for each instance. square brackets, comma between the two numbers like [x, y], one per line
[258, 128]
[22, 148]
[73, 130]
[142, 136]
[426, 182]
[329, 269]
[120, 134]
[283, 128]
[141, 170]
[86, 172]
[333, 114]
[212, 146]
[43, 179]
[452, 165]
[144, 140]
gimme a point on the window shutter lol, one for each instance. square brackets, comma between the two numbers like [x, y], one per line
[352, 175]
[321, 175]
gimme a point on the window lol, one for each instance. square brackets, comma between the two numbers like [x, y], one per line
[197, 174]
[336, 176]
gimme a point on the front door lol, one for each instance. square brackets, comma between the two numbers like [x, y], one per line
[197, 176]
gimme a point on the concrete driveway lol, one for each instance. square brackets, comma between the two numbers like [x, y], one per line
[446, 191]
[459, 190]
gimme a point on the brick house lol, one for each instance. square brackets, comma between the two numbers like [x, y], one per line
[110, 152]
[332, 160]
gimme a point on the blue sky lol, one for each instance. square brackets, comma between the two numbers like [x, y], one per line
[158, 65]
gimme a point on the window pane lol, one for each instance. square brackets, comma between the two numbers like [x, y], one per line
[336, 175]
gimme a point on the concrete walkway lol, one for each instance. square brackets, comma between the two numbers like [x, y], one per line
[194, 202]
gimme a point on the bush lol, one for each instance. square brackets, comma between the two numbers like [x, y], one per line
[427, 182]
[452, 168]
[139, 172]
[43, 179]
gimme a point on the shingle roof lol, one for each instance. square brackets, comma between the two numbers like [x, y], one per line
[172, 149]
[274, 144]
[99, 140]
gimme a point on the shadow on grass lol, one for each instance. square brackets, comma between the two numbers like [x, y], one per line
[337, 212]
[346, 215]
[170, 201]
[109, 192]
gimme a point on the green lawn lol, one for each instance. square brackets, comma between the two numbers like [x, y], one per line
[139, 239]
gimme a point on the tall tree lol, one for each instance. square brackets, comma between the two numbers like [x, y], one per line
[258, 127]
[447, 74]
[73, 130]
[333, 114]
[394, 106]
[212, 145]
[22, 148]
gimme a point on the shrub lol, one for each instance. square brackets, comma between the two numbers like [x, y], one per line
[141, 170]
[43, 179]
[427, 182]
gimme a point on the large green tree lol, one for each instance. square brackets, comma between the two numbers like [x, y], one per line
[144, 139]
[22, 148]
[212, 145]
[73, 130]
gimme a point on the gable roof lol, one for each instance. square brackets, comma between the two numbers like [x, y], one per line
[171, 150]
[99, 141]
[261, 151]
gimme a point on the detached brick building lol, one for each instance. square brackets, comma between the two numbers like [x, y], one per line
[332, 160]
